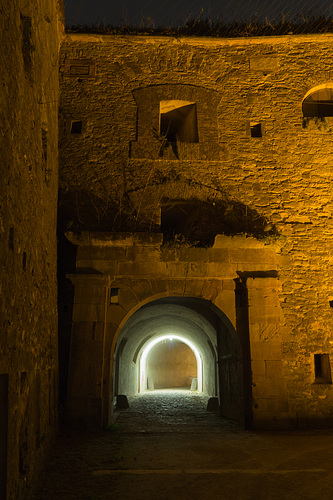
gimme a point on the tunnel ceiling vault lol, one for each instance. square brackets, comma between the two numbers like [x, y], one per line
[167, 319]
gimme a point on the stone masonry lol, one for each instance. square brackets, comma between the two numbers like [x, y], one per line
[30, 34]
[257, 168]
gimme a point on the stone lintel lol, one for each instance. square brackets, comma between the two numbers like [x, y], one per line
[115, 239]
[89, 279]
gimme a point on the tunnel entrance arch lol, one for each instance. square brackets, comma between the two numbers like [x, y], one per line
[129, 287]
[208, 331]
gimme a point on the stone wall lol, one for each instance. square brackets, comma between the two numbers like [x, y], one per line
[171, 364]
[28, 212]
[260, 168]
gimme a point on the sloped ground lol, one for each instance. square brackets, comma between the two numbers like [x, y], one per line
[167, 446]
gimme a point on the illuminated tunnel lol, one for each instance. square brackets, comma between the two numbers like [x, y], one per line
[166, 344]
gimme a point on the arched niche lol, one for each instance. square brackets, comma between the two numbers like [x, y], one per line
[318, 102]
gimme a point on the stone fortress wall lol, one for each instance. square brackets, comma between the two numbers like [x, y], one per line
[30, 39]
[257, 168]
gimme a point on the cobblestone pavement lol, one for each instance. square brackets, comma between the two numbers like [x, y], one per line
[170, 411]
[166, 446]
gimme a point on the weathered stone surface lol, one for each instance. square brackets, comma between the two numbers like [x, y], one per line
[28, 211]
[275, 187]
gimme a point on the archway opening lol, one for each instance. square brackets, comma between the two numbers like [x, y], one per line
[169, 362]
[152, 325]
[318, 102]
[141, 359]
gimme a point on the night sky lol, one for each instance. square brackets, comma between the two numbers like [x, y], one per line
[154, 13]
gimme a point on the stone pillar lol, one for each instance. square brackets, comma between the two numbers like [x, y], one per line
[86, 377]
[270, 404]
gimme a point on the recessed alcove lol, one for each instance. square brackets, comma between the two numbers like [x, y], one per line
[175, 122]
[255, 129]
[76, 127]
[178, 121]
[317, 108]
[318, 102]
[322, 369]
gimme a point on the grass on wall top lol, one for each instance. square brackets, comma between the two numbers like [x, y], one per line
[208, 27]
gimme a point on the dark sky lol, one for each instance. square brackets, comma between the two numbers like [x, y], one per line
[175, 12]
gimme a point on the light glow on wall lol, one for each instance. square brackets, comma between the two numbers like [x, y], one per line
[152, 343]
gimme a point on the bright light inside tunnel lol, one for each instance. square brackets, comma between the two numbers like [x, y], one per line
[152, 343]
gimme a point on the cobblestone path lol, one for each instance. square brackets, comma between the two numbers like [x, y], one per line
[166, 446]
[174, 410]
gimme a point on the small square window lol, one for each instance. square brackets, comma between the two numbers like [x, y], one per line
[255, 128]
[322, 369]
[76, 127]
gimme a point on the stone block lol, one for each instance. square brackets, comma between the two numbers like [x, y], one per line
[197, 270]
[115, 314]
[141, 289]
[255, 332]
[277, 406]
[127, 298]
[84, 413]
[204, 255]
[88, 312]
[265, 315]
[192, 287]
[177, 269]
[265, 64]
[266, 350]
[176, 287]
[84, 378]
[122, 402]
[221, 270]
[211, 289]
[273, 369]
[266, 332]
[139, 254]
[87, 330]
[228, 284]
[90, 294]
[86, 349]
[158, 286]
[225, 301]
[99, 266]
[259, 283]
[89, 253]
[142, 268]
[249, 255]
[265, 389]
[261, 299]
[258, 368]
[213, 404]
[273, 421]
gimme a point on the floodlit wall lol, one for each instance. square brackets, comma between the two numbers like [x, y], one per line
[28, 211]
[258, 167]
[171, 364]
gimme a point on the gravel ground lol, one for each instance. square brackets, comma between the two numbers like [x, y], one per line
[167, 446]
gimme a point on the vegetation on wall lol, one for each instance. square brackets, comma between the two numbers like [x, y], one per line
[305, 24]
[194, 221]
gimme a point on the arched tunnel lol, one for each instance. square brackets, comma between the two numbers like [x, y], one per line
[179, 342]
